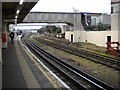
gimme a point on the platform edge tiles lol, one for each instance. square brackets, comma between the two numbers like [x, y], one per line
[30, 79]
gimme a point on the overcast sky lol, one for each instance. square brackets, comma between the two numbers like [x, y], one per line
[95, 6]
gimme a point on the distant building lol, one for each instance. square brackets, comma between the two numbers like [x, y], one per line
[115, 8]
[104, 19]
[93, 20]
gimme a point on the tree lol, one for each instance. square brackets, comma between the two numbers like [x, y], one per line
[42, 30]
[50, 29]
[101, 27]
[58, 30]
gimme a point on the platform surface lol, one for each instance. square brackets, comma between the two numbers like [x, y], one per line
[0, 76]
[12, 76]
[19, 71]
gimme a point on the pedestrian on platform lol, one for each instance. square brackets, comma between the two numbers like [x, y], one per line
[12, 34]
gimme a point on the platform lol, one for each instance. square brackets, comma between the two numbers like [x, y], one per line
[0, 76]
[19, 71]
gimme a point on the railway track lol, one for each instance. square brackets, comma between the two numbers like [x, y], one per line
[101, 59]
[80, 79]
[68, 43]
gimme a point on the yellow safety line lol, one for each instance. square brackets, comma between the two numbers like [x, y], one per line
[30, 80]
[40, 68]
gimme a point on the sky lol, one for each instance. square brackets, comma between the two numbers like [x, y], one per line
[94, 6]
[34, 25]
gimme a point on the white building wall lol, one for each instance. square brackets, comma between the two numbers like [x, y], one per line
[68, 35]
[96, 37]
[100, 37]
[80, 36]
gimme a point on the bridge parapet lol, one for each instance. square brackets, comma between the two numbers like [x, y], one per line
[72, 19]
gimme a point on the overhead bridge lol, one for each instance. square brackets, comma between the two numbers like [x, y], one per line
[72, 19]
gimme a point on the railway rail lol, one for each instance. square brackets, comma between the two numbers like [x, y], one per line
[68, 43]
[101, 59]
[79, 78]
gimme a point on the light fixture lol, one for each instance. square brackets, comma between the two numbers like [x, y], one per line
[17, 11]
[15, 21]
[16, 16]
[21, 2]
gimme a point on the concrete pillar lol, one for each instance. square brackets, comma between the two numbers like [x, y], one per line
[62, 29]
[5, 27]
[71, 28]
[119, 27]
[0, 31]
[115, 20]
[0, 45]
[77, 22]
[65, 28]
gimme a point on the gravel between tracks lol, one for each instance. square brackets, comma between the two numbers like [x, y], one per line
[104, 73]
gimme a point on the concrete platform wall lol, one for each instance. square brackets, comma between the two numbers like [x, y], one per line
[96, 37]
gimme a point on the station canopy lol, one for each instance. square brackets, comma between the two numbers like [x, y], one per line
[14, 11]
